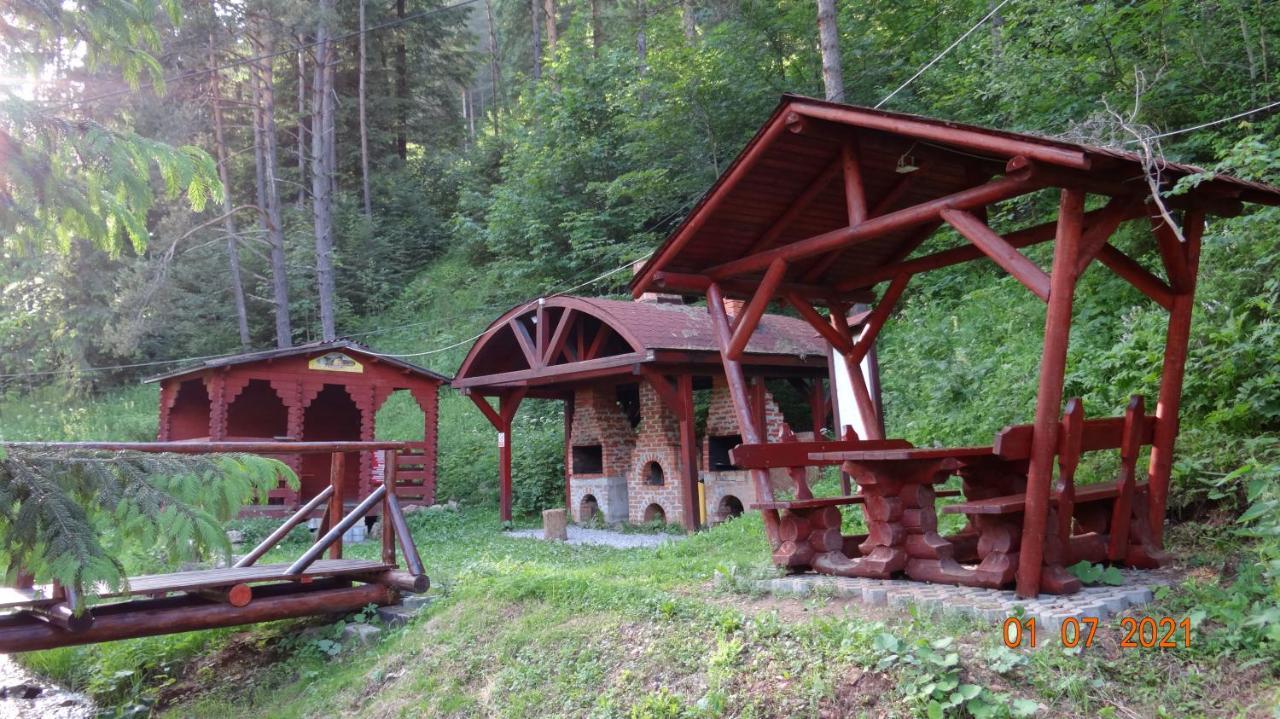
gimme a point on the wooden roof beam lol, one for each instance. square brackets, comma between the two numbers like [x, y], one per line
[937, 132]
[797, 207]
[1020, 180]
[690, 283]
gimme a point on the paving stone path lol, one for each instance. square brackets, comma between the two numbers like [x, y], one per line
[606, 537]
[995, 605]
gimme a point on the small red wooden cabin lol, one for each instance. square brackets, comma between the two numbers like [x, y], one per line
[321, 391]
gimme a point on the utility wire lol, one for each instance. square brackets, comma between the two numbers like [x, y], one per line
[266, 56]
[1203, 125]
[943, 54]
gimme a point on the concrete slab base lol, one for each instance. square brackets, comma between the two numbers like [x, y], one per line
[994, 605]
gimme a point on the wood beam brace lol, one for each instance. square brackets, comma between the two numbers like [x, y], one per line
[1173, 253]
[688, 283]
[751, 314]
[556, 344]
[1100, 230]
[526, 343]
[1000, 251]
[882, 206]
[875, 321]
[666, 390]
[1019, 181]
[487, 410]
[1137, 275]
[820, 324]
[1021, 238]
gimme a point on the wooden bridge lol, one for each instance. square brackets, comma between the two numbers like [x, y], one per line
[45, 617]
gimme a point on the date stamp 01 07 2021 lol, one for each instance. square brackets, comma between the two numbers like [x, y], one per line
[1139, 633]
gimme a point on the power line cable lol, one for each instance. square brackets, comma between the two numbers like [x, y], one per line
[1203, 125]
[943, 54]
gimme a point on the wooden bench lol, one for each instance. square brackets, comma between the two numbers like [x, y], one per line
[1077, 435]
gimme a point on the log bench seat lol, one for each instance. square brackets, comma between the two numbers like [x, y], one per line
[1013, 503]
[820, 502]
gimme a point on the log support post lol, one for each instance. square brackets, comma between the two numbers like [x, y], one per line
[688, 452]
[1177, 338]
[751, 434]
[501, 419]
[1044, 443]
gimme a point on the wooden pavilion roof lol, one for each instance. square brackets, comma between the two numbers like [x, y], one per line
[786, 188]
[309, 348]
[563, 340]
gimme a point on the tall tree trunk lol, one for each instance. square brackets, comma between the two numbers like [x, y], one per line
[268, 195]
[597, 30]
[829, 36]
[537, 39]
[331, 116]
[364, 124]
[549, 16]
[402, 88]
[228, 221]
[642, 35]
[688, 22]
[302, 122]
[997, 30]
[495, 74]
[321, 181]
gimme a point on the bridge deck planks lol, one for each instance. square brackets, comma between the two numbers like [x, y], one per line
[209, 579]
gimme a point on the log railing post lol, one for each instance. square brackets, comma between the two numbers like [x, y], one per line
[337, 476]
[390, 460]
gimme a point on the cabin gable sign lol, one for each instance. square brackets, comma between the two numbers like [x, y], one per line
[335, 362]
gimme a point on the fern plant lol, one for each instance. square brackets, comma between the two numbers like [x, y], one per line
[80, 517]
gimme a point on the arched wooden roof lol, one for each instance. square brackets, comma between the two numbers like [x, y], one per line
[568, 338]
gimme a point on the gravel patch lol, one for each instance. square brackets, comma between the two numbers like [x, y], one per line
[604, 537]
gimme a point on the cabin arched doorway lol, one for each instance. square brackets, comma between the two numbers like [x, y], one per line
[331, 416]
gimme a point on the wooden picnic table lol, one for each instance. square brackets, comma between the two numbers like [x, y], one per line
[902, 519]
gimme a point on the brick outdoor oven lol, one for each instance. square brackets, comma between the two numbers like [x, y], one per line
[647, 412]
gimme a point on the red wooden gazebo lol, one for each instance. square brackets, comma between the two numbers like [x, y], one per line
[610, 359]
[828, 201]
[321, 391]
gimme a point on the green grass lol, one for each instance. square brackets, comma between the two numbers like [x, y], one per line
[54, 414]
[528, 628]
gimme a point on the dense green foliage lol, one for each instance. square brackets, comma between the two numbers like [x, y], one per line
[84, 516]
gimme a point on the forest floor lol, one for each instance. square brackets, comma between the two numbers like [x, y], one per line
[521, 627]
